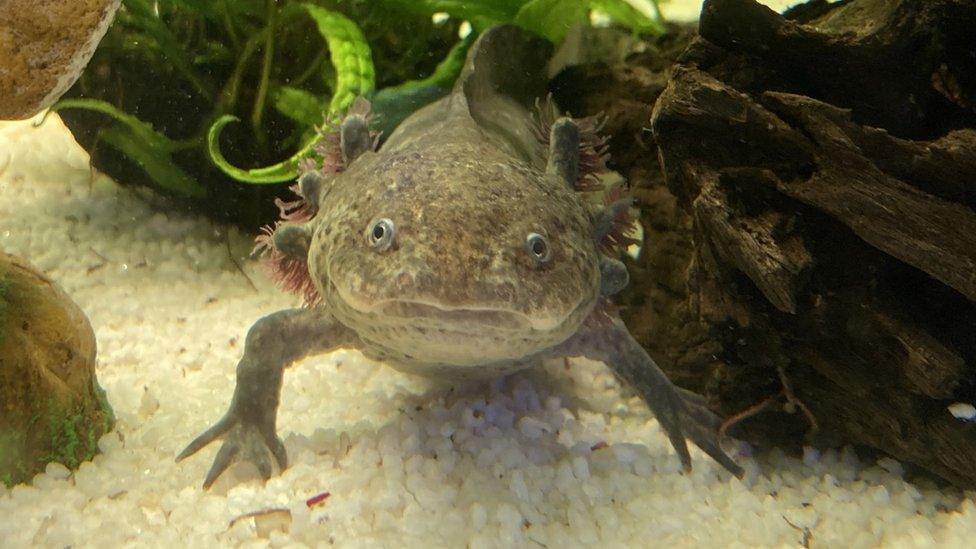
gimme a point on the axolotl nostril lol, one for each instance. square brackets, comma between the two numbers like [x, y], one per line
[462, 247]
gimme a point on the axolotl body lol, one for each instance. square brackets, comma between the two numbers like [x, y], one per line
[461, 248]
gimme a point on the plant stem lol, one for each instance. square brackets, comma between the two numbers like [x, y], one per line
[146, 17]
[230, 26]
[262, 95]
[309, 70]
[228, 97]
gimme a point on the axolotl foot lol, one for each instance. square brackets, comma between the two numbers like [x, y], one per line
[681, 413]
[699, 424]
[248, 428]
[244, 439]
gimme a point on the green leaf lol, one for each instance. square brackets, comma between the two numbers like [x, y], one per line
[278, 173]
[299, 105]
[213, 52]
[622, 12]
[355, 76]
[206, 8]
[552, 18]
[142, 130]
[446, 71]
[350, 55]
[480, 13]
[141, 143]
[159, 166]
[144, 16]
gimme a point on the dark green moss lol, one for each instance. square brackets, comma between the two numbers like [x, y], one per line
[63, 433]
[70, 437]
[73, 436]
[108, 415]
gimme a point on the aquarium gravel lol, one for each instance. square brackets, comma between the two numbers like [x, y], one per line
[553, 458]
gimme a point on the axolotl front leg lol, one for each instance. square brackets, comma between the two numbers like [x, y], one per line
[276, 341]
[605, 337]
[273, 343]
[681, 413]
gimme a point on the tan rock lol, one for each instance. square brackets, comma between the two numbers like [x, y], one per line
[51, 407]
[44, 46]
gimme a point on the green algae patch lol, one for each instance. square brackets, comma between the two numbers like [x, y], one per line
[66, 434]
[73, 431]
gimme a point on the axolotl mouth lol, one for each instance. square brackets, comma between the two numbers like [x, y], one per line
[461, 318]
[429, 332]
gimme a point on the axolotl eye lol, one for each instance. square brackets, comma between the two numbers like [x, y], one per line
[380, 233]
[538, 247]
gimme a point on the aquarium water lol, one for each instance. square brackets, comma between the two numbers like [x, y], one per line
[558, 457]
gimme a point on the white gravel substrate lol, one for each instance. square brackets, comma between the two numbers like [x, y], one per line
[407, 462]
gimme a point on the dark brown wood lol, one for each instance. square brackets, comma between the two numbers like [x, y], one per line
[930, 233]
[809, 197]
[750, 244]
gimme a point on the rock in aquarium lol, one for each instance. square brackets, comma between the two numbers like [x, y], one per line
[51, 407]
[44, 45]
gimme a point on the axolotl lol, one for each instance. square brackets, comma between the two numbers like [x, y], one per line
[462, 247]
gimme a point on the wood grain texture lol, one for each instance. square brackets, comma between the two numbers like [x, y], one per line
[809, 193]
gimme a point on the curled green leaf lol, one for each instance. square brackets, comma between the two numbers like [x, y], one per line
[355, 76]
[277, 173]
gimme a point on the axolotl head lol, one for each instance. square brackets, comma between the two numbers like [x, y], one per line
[443, 258]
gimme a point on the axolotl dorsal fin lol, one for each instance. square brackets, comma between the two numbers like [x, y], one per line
[503, 79]
[505, 65]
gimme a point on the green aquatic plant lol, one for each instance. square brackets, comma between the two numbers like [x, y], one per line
[189, 93]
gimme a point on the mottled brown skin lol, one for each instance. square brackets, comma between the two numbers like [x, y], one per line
[459, 289]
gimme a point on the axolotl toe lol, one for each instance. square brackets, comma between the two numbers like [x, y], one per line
[462, 247]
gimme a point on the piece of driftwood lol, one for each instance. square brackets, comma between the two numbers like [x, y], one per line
[809, 194]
